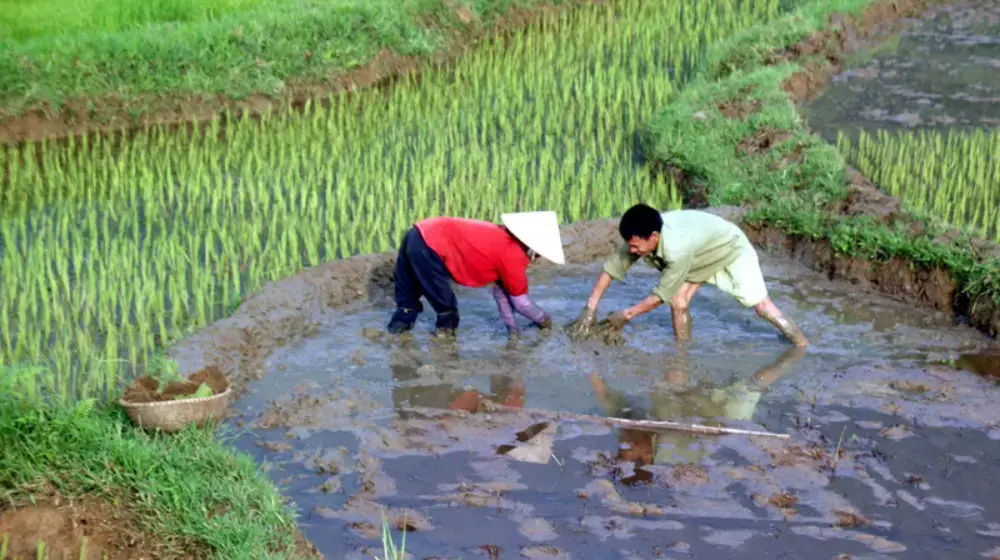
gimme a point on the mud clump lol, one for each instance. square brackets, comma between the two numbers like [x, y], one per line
[851, 519]
[762, 141]
[740, 110]
[985, 364]
[203, 383]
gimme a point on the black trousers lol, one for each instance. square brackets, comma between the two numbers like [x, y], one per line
[421, 272]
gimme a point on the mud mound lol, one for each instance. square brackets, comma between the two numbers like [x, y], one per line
[62, 526]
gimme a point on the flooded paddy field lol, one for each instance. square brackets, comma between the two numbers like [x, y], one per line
[942, 72]
[353, 424]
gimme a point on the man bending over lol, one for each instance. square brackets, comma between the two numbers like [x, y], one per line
[689, 247]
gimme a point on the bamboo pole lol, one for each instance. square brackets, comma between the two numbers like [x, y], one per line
[646, 425]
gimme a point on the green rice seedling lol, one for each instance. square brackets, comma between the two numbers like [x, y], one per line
[953, 176]
[111, 249]
[389, 550]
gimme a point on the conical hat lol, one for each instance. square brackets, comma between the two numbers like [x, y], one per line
[539, 231]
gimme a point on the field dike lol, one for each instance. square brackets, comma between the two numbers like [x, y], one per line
[736, 139]
[464, 29]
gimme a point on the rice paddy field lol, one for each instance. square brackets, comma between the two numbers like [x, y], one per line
[918, 115]
[110, 250]
[114, 248]
[953, 176]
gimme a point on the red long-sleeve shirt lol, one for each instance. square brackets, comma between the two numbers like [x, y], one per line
[477, 253]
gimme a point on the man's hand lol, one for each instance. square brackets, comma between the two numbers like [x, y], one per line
[585, 322]
[545, 323]
[617, 320]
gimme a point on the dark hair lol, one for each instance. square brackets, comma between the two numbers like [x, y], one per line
[640, 221]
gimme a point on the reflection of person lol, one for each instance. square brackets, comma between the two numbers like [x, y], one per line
[405, 364]
[688, 247]
[676, 398]
[474, 253]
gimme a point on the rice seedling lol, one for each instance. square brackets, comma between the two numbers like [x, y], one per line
[109, 250]
[389, 550]
[953, 176]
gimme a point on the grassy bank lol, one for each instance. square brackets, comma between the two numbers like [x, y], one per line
[162, 496]
[122, 61]
[734, 137]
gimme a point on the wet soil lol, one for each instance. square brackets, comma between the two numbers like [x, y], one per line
[62, 526]
[147, 389]
[941, 71]
[115, 116]
[889, 450]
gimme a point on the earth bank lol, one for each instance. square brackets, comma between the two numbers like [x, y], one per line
[112, 114]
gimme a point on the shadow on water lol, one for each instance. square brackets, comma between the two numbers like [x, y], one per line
[942, 72]
[886, 444]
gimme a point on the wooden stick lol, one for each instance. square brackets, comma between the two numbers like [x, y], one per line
[647, 425]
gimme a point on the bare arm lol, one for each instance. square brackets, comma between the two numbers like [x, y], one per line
[600, 286]
[648, 304]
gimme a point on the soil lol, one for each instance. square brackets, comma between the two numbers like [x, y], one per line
[110, 532]
[762, 141]
[62, 525]
[116, 116]
[342, 403]
[144, 389]
[823, 54]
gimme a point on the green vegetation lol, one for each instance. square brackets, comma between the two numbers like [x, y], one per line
[23, 20]
[769, 161]
[955, 176]
[112, 250]
[188, 492]
[51, 53]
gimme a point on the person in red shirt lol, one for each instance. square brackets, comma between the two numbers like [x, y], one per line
[473, 253]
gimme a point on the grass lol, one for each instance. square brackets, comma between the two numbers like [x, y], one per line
[953, 175]
[24, 20]
[791, 183]
[196, 496]
[110, 251]
[128, 49]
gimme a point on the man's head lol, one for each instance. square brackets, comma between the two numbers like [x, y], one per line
[640, 228]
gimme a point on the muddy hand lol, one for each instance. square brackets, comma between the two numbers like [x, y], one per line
[546, 323]
[617, 320]
[584, 323]
[513, 338]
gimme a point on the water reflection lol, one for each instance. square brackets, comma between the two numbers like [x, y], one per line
[420, 380]
[679, 394]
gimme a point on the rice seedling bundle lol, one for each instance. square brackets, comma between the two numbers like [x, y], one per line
[109, 250]
[953, 176]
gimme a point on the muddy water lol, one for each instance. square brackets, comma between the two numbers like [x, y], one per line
[338, 421]
[943, 71]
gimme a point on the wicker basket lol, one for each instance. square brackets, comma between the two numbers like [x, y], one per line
[173, 416]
